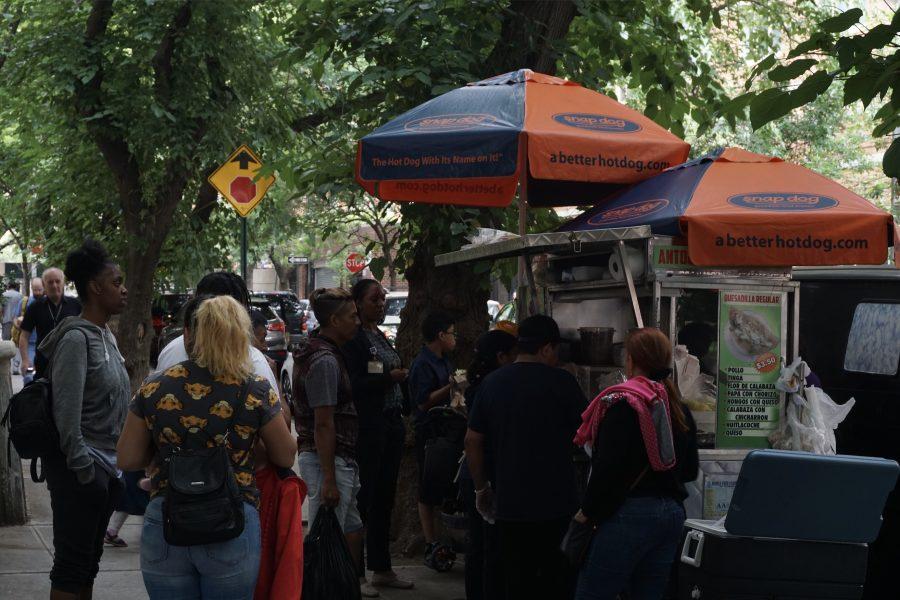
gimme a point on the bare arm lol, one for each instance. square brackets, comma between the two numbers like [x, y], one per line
[326, 441]
[280, 447]
[436, 397]
[23, 349]
[135, 448]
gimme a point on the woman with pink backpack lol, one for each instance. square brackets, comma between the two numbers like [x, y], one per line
[643, 446]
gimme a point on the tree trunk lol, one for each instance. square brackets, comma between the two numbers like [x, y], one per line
[392, 273]
[135, 326]
[459, 292]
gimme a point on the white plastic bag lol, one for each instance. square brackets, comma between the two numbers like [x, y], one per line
[698, 390]
[810, 415]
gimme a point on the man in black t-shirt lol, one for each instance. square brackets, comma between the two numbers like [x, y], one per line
[524, 418]
[44, 315]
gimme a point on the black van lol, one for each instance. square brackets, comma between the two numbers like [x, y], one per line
[850, 338]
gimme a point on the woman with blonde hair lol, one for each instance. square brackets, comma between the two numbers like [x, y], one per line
[210, 400]
[643, 444]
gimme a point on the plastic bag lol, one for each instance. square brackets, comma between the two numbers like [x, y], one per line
[810, 416]
[329, 572]
[698, 390]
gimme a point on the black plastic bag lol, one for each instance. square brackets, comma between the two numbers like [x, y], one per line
[329, 572]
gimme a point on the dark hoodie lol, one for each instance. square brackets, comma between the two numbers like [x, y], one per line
[90, 393]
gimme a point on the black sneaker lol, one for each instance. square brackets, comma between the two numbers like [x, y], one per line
[429, 555]
[439, 557]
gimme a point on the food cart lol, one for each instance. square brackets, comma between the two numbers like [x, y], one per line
[600, 284]
[703, 251]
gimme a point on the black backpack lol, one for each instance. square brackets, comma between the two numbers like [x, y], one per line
[32, 431]
[29, 419]
[203, 503]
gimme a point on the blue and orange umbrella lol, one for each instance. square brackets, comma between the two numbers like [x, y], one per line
[737, 208]
[472, 146]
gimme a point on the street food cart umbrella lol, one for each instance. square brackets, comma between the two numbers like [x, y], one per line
[473, 145]
[737, 208]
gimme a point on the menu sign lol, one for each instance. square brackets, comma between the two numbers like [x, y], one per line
[751, 344]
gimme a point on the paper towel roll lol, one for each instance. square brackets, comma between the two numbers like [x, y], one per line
[635, 260]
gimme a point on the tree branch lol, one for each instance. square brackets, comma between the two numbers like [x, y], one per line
[88, 101]
[12, 232]
[162, 61]
[301, 124]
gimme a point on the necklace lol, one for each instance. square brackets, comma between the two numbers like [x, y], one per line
[54, 318]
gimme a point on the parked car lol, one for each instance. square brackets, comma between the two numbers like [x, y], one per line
[276, 339]
[310, 322]
[288, 307]
[394, 303]
[164, 312]
[850, 338]
[275, 335]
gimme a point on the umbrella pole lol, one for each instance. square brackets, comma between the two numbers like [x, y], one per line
[522, 277]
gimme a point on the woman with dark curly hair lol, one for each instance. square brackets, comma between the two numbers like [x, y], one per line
[90, 399]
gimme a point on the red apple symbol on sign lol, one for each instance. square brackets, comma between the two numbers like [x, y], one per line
[243, 190]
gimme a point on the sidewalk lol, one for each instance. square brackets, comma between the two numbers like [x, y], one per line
[26, 555]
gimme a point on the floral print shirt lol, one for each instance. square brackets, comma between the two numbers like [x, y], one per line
[186, 406]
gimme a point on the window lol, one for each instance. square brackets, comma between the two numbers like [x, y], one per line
[394, 306]
[874, 342]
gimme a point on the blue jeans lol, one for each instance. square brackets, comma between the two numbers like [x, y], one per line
[633, 550]
[346, 473]
[224, 571]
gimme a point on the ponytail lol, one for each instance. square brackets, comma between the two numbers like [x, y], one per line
[675, 404]
[651, 351]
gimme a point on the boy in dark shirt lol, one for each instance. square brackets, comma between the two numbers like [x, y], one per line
[429, 386]
[526, 414]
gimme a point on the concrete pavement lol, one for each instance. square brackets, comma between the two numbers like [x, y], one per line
[26, 555]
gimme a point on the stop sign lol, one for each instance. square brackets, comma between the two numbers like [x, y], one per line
[243, 189]
[355, 263]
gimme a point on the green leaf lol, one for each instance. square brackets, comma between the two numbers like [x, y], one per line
[813, 43]
[792, 70]
[811, 88]
[763, 65]
[860, 87]
[768, 106]
[890, 164]
[878, 37]
[457, 228]
[842, 22]
[378, 266]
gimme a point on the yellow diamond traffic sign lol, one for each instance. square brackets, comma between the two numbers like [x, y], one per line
[236, 180]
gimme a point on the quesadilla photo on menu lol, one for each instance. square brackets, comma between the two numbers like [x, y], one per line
[750, 333]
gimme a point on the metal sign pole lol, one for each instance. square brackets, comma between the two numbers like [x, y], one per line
[244, 248]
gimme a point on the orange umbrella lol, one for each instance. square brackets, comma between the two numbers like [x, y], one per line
[473, 145]
[737, 208]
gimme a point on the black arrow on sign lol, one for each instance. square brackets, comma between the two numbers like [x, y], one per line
[244, 159]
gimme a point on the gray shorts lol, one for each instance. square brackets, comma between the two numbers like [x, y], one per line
[347, 475]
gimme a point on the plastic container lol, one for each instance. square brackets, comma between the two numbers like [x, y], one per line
[596, 345]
